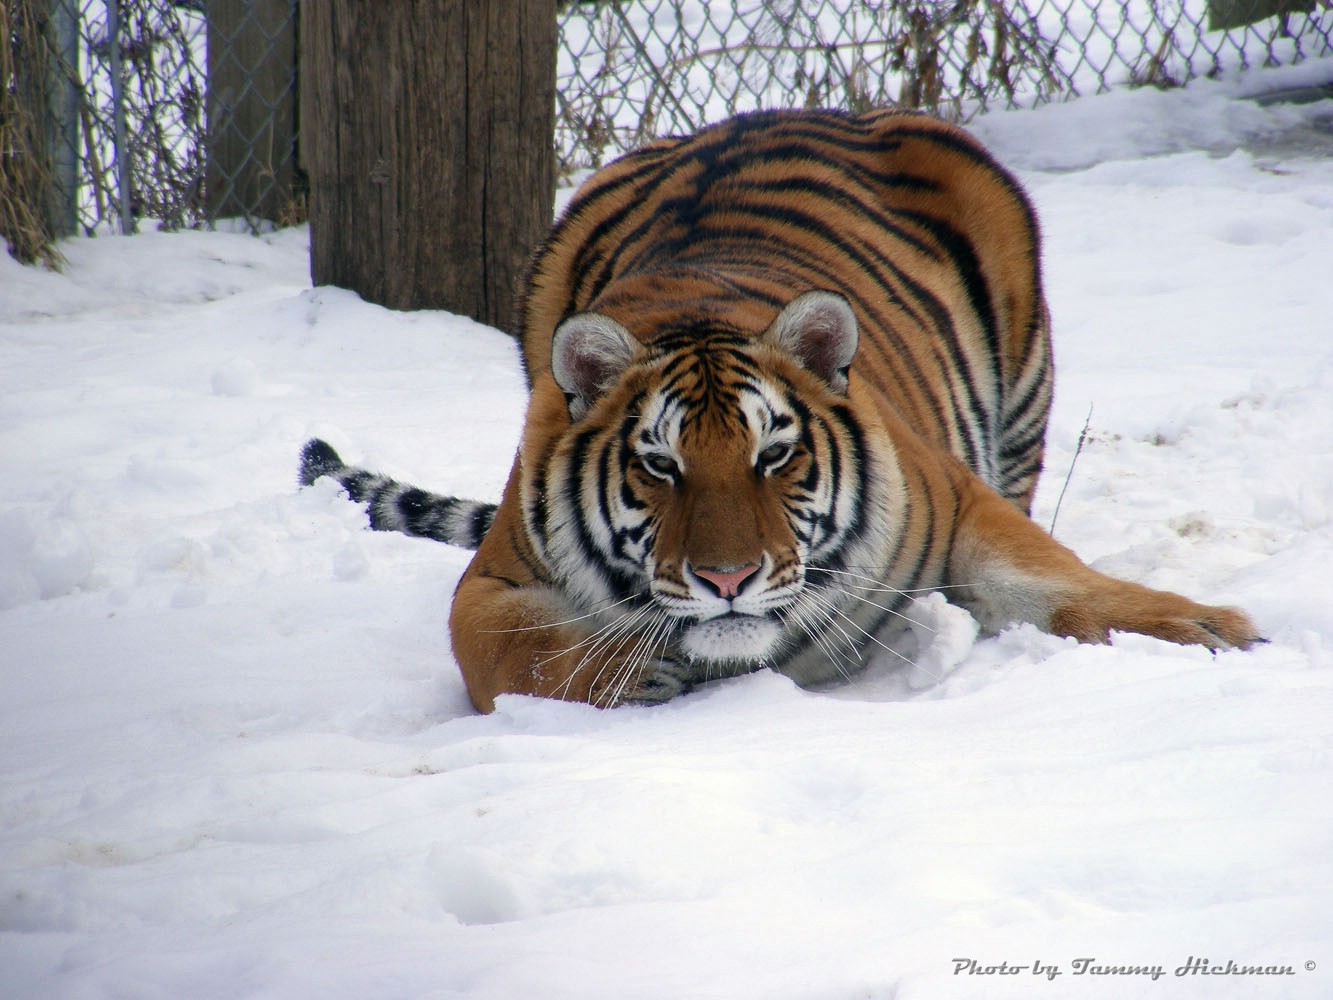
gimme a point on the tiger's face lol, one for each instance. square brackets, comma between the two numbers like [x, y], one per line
[718, 463]
[702, 480]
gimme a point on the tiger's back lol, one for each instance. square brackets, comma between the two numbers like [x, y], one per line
[932, 243]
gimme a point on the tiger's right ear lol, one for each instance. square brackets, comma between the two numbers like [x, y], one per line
[588, 353]
[819, 330]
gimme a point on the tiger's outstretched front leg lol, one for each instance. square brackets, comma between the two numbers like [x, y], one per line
[514, 632]
[528, 640]
[1009, 570]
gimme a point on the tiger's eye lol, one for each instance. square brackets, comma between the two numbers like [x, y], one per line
[775, 455]
[660, 465]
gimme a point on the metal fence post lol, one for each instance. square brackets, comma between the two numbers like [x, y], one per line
[120, 140]
[62, 109]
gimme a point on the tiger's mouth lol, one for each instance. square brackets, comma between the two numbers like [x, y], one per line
[732, 636]
[726, 614]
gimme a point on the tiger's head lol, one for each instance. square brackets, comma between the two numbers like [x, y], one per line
[705, 476]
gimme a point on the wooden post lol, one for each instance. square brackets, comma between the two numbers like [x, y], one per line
[251, 108]
[427, 136]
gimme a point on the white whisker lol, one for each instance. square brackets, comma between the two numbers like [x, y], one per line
[874, 583]
[874, 604]
[804, 619]
[860, 628]
[602, 639]
[641, 653]
[824, 608]
[606, 606]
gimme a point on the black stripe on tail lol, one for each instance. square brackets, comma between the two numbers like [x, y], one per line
[395, 506]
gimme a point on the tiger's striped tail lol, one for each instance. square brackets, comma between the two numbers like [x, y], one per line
[395, 506]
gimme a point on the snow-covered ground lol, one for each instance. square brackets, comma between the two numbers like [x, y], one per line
[236, 759]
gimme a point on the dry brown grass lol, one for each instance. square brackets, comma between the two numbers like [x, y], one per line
[25, 175]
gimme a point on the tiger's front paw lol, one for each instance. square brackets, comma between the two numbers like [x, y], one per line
[1131, 608]
[1224, 628]
[659, 681]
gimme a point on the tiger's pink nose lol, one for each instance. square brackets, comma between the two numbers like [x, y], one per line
[727, 584]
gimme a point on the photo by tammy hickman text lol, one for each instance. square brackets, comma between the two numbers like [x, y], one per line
[1094, 967]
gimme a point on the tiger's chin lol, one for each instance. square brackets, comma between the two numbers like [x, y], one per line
[732, 638]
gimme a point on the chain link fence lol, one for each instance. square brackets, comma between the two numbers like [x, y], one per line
[184, 111]
[630, 71]
[179, 111]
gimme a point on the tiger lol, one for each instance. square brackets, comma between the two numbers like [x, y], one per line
[785, 375]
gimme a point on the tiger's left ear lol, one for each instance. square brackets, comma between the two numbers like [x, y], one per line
[819, 330]
[589, 352]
